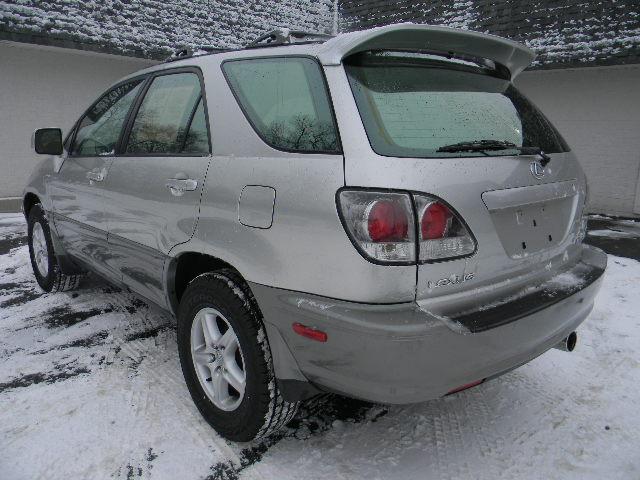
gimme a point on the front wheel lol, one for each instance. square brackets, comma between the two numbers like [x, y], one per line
[43, 259]
[226, 360]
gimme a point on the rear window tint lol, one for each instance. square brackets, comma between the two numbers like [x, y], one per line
[286, 102]
[412, 110]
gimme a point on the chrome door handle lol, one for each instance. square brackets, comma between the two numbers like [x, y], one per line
[97, 175]
[178, 186]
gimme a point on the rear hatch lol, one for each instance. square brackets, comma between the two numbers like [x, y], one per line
[455, 129]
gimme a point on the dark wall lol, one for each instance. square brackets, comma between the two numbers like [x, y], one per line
[154, 28]
[563, 32]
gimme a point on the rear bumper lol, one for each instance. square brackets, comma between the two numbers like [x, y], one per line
[403, 354]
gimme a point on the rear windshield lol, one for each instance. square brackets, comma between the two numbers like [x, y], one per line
[412, 105]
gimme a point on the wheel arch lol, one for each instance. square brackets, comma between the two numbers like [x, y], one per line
[29, 200]
[68, 265]
[186, 266]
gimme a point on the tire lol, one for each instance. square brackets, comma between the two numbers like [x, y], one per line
[43, 259]
[222, 297]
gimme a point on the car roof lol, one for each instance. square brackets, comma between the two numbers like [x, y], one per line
[514, 56]
[306, 49]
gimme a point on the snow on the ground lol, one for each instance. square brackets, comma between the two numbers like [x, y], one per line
[612, 233]
[91, 387]
[615, 228]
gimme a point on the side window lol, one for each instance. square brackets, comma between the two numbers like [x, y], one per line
[100, 128]
[170, 118]
[197, 139]
[286, 101]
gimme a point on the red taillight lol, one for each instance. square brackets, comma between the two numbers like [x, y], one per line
[387, 221]
[382, 226]
[443, 235]
[465, 386]
[435, 221]
[309, 332]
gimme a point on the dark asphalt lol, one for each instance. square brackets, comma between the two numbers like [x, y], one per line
[624, 243]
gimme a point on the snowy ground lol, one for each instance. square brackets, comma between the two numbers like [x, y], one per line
[90, 387]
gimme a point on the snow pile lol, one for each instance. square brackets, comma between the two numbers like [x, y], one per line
[572, 32]
[91, 387]
[614, 227]
[560, 32]
[605, 34]
[462, 14]
[155, 28]
[612, 233]
[567, 281]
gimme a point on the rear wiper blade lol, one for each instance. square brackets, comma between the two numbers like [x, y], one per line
[477, 146]
[484, 145]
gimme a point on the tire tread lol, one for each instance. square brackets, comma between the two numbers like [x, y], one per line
[278, 411]
[60, 282]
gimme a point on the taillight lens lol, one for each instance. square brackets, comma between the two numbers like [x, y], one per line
[435, 221]
[381, 224]
[443, 235]
[387, 221]
[580, 227]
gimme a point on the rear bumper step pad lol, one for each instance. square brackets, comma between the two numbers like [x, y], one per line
[541, 296]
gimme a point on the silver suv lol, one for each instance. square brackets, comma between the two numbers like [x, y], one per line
[381, 214]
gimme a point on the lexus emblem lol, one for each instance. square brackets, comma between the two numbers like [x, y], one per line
[537, 170]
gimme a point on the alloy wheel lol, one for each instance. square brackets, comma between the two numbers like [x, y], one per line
[40, 249]
[217, 358]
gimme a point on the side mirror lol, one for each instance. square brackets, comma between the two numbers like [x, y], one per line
[48, 141]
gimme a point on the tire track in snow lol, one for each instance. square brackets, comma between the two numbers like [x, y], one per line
[484, 434]
[141, 350]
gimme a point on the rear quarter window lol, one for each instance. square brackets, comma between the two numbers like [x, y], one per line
[285, 99]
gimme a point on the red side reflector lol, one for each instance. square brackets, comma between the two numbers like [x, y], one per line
[465, 386]
[309, 332]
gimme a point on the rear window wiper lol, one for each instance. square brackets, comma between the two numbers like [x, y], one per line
[486, 145]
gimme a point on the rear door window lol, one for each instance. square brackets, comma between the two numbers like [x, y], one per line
[171, 118]
[286, 102]
[197, 138]
[99, 130]
[412, 106]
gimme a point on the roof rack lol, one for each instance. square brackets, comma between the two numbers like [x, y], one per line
[282, 36]
[285, 36]
[187, 52]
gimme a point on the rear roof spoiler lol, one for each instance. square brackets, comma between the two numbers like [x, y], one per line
[408, 36]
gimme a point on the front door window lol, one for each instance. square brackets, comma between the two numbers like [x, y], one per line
[99, 130]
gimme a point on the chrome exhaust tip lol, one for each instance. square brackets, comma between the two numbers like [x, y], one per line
[568, 343]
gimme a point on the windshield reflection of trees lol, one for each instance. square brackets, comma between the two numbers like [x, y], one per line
[151, 135]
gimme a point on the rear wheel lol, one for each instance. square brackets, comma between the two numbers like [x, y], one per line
[43, 259]
[226, 359]
[217, 359]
